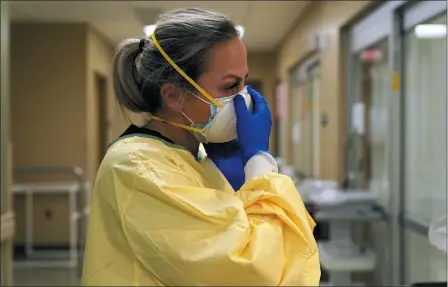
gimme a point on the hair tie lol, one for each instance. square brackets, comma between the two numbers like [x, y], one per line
[141, 45]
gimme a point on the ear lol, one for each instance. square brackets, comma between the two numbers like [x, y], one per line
[172, 97]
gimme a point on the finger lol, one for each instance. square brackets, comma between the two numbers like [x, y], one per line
[258, 100]
[240, 107]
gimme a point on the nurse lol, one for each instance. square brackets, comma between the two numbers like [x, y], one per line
[166, 212]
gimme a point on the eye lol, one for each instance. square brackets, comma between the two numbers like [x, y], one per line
[234, 88]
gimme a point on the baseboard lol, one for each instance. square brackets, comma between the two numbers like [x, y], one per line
[19, 249]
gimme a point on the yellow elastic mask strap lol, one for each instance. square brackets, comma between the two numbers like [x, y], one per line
[177, 124]
[179, 70]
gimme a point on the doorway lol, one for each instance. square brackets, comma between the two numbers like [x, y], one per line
[102, 119]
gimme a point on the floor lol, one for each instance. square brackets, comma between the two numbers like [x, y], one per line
[46, 277]
[29, 272]
[36, 275]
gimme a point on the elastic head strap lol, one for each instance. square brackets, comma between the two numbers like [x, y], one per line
[177, 124]
[179, 70]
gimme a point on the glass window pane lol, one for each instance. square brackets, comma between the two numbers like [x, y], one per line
[380, 93]
[426, 124]
[373, 90]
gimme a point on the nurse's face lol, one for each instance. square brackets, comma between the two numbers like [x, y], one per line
[224, 75]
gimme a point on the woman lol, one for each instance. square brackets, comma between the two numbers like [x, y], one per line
[162, 212]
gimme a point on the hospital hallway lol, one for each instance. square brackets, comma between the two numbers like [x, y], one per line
[358, 96]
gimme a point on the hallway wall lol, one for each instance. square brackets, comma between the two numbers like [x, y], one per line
[48, 93]
[48, 114]
[54, 110]
[327, 17]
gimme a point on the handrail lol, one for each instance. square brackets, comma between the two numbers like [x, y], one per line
[79, 174]
[76, 171]
[415, 224]
[40, 169]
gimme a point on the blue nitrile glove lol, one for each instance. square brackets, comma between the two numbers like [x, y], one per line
[253, 129]
[227, 157]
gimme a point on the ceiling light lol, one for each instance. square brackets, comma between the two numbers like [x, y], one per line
[430, 31]
[149, 29]
[240, 30]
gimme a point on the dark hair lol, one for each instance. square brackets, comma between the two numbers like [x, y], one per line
[187, 36]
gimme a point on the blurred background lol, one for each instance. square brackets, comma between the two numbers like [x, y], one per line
[359, 98]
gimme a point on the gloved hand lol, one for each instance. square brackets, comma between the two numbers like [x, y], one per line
[253, 129]
[227, 157]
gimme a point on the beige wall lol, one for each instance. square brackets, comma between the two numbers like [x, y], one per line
[54, 109]
[326, 17]
[48, 83]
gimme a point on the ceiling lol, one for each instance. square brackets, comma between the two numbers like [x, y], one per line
[265, 22]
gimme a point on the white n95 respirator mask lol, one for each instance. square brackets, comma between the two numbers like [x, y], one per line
[221, 125]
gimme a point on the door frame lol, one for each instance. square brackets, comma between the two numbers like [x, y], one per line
[7, 212]
[102, 104]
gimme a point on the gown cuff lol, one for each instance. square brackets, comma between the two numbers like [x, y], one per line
[258, 164]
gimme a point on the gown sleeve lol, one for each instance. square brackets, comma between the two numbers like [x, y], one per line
[187, 235]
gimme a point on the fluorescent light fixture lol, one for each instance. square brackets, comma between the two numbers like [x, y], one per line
[149, 29]
[430, 31]
[240, 30]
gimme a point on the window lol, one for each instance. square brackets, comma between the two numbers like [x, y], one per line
[370, 142]
[426, 124]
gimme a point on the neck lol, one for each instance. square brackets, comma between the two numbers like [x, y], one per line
[178, 135]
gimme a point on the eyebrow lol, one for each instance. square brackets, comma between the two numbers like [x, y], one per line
[234, 76]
